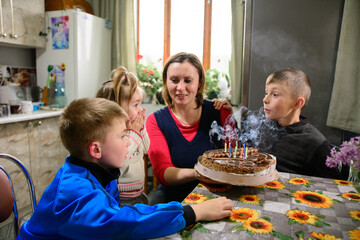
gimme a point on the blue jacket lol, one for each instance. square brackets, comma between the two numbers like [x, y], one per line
[76, 205]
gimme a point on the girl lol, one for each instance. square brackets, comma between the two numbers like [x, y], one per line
[123, 89]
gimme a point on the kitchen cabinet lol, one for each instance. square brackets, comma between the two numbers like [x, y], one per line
[21, 23]
[37, 144]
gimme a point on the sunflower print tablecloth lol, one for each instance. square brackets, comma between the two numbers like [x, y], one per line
[293, 207]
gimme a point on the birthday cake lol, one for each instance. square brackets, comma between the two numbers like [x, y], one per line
[234, 167]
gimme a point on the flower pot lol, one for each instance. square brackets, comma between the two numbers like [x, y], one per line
[159, 98]
[354, 177]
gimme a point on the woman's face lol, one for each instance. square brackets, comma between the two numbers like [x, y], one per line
[182, 82]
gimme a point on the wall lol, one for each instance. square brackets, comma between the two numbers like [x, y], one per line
[296, 33]
[17, 57]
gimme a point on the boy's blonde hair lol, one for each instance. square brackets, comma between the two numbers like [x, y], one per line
[87, 120]
[120, 88]
[297, 81]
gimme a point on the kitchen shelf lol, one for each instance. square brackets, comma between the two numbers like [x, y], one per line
[31, 116]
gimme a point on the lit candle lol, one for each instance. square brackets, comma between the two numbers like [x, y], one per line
[241, 153]
[236, 147]
[229, 149]
[225, 146]
[244, 150]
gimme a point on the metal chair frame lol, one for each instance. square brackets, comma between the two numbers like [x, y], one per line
[18, 163]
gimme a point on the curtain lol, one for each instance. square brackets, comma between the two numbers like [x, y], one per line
[344, 109]
[236, 63]
[123, 43]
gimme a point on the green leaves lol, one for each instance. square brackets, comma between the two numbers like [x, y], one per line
[149, 77]
[212, 89]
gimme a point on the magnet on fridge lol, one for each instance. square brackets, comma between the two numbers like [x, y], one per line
[108, 24]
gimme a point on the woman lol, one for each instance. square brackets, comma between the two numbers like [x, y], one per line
[179, 133]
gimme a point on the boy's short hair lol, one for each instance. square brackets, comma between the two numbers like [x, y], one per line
[86, 120]
[296, 80]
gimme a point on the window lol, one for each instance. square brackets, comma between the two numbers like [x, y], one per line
[221, 35]
[186, 30]
[187, 27]
[151, 36]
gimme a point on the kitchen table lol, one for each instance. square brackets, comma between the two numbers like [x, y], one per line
[292, 207]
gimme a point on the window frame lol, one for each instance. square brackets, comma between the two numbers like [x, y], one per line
[167, 32]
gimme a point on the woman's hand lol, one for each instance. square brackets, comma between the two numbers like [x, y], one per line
[222, 103]
[177, 176]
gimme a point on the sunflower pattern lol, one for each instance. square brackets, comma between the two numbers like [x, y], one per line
[272, 185]
[250, 199]
[324, 236]
[354, 234]
[243, 214]
[253, 223]
[313, 199]
[343, 183]
[294, 208]
[260, 226]
[195, 198]
[355, 214]
[300, 181]
[303, 217]
[351, 196]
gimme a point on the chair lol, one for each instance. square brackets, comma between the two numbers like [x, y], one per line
[147, 165]
[6, 182]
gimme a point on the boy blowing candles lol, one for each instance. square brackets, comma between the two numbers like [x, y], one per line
[281, 130]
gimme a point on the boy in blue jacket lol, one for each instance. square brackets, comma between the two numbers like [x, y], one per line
[82, 202]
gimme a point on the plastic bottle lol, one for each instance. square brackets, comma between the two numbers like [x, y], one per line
[60, 98]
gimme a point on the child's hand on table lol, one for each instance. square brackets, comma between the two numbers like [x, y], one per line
[213, 209]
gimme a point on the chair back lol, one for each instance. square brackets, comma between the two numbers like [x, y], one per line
[9, 182]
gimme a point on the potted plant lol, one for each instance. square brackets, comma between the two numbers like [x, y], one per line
[149, 79]
[347, 154]
[216, 84]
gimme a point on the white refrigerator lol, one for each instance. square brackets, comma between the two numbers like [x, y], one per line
[78, 53]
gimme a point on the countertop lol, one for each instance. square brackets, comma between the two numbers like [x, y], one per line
[30, 116]
[151, 107]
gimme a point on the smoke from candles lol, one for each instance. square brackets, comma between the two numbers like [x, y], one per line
[247, 126]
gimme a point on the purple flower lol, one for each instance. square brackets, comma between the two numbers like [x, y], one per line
[347, 154]
[331, 162]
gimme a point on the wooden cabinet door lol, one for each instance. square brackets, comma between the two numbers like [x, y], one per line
[23, 22]
[47, 154]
